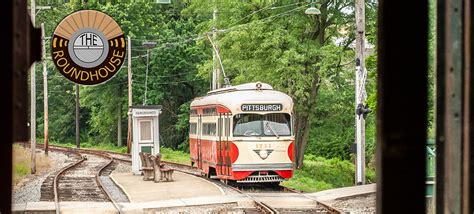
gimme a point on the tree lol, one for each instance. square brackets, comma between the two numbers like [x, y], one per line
[278, 44]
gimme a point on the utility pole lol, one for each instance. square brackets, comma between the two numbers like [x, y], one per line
[45, 92]
[33, 100]
[119, 118]
[78, 137]
[215, 64]
[360, 95]
[129, 131]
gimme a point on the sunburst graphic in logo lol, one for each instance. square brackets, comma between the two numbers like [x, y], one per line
[88, 47]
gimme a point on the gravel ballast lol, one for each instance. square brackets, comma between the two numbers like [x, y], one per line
[29, 190]
[359, 204]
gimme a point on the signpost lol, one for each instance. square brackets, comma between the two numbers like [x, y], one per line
[360, 95]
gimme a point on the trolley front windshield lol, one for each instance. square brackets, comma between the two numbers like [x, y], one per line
[275, 124]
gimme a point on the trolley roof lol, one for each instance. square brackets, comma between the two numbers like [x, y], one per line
[249, 93]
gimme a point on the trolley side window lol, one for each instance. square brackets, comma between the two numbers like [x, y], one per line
[209, 129]
[192, 128]
[227, 127]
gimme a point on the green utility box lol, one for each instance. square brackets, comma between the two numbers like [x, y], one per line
[430, 167]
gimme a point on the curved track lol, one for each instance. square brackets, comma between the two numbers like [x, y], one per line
[80, 180]
[260, 206]
[327, 207]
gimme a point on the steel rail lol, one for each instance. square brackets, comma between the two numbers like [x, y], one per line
[97, 176]
[101, 185]
[326, 206]
[56, 178]
[262, 206]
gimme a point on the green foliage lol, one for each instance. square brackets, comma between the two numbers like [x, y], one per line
[21, 164]
[272, 42]
[21, 170]
[175, 156]
[307, 57]
[182, 125]
[431, 68]
[320, 174]
[172, 79]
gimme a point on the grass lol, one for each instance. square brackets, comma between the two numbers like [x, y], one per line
[22, 162]
[104, 147]
[320, 174]
[175, 156]
[167, 153]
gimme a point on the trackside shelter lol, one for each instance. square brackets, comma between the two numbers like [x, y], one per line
[146, 135]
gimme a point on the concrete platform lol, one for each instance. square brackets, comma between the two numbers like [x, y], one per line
[185, 192]
[183, 186]
[339, 193]
[126, 208]
[285, 200]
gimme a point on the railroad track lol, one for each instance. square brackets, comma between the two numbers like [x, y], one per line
[327, 207]
[261, 207]
[79, 180]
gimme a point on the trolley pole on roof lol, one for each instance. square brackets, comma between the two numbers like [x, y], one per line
[33, 100]
[215, 63]
[148, 45]
[360, 95]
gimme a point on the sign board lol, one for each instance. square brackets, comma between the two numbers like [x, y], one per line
[145, 112]
[261, 107]
[90, 51]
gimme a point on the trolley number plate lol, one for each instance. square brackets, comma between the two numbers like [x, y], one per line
[261, 107]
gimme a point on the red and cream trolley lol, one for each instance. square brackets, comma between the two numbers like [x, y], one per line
[243, 133]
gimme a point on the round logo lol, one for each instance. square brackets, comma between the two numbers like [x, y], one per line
[88, 47]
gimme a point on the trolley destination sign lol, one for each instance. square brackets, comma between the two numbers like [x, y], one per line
[261, 107]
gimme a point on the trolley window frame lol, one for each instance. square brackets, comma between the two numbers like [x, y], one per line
[263, 129]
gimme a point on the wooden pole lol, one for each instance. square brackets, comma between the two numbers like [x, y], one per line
[129, 131]
[45, 92]
[33, 101]
[119, 119]
[78, 138]
[360, 95]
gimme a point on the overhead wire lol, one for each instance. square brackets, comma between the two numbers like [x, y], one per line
[196, 37]
[265, 8]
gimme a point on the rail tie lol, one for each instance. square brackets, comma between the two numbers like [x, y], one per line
[262, 206]
[97, 175]
[329, 208]
[55, 181]
[101, 186]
